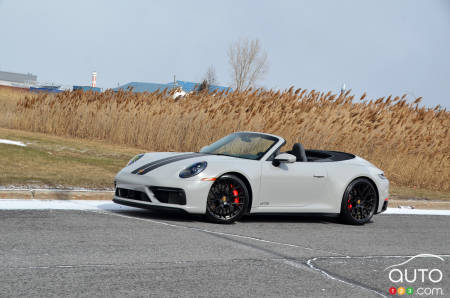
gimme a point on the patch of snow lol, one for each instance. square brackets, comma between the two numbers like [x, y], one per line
[178, 93]
[27, 204]
[52, 189]
[416, 211]
[9, 142]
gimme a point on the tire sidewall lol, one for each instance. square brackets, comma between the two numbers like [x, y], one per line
[212, 218]
[345, 214]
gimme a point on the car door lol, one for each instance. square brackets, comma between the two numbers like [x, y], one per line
[292, 187]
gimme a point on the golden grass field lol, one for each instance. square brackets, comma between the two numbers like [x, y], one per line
[410, 143]
[59, 162]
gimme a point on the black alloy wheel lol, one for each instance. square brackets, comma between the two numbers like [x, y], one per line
[359, 202]
[227, 200]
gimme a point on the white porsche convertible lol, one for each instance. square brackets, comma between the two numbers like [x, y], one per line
[246, 172]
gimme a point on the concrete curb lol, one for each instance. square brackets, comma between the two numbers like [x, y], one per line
[56, 194]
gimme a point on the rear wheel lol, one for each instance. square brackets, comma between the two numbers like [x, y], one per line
[227, 200]
[359, 202]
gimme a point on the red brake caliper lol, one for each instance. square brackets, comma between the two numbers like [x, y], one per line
[236, 193]
[349, 205]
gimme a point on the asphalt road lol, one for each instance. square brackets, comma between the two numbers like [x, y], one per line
[54, 253]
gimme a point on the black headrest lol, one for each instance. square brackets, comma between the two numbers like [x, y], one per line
[299, 151]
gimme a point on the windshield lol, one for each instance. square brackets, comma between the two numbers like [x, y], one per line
[242, 145]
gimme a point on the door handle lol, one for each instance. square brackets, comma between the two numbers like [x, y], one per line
[319, 176]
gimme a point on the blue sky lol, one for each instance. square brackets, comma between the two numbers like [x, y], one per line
[381, 47]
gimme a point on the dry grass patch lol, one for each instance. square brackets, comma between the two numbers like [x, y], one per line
[411, 143]
[56, 162]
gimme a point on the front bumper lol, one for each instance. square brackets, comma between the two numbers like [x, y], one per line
[131, 203]
[385, 205]
[189, 194]
[383, 195]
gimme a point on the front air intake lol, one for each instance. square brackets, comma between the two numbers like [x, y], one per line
[132, 194]
[169, 195]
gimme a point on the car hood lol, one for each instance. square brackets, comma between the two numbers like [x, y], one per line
[173, 162]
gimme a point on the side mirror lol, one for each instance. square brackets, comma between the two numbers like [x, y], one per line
[283, 158]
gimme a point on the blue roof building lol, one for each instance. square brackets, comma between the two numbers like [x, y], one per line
[87, 88]
[152, 87]
[144, 87]
[48, 89]
[191, 86]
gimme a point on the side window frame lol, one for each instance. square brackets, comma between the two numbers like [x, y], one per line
[276, 152]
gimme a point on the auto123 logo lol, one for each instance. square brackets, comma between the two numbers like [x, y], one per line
[411, 278]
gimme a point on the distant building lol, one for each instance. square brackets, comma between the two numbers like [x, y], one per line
[152, 87]
[20, 80]
[46, 89]
[191, 86]
[144, 87]
[87, 88]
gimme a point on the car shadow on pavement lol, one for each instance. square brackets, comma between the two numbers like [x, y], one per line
[291, 218]
[175, 216]
[179, 216]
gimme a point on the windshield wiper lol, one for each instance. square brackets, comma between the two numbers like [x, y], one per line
[223, 154]
[236, 156]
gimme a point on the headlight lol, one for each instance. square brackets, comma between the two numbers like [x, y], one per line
[134, 159]
[382, 176]
[193, 170]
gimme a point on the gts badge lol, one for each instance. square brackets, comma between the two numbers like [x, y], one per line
[264, 204]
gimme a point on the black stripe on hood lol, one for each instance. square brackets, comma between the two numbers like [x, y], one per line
[162, 162]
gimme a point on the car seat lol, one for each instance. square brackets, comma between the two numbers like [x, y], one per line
[299, 151]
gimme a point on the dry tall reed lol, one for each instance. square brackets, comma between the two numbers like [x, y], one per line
[411, 143]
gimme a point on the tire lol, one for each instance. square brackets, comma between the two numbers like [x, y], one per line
[227, 200]
[359, 202]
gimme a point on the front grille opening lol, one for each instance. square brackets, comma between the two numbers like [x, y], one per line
[132, 194]
[169, 195]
